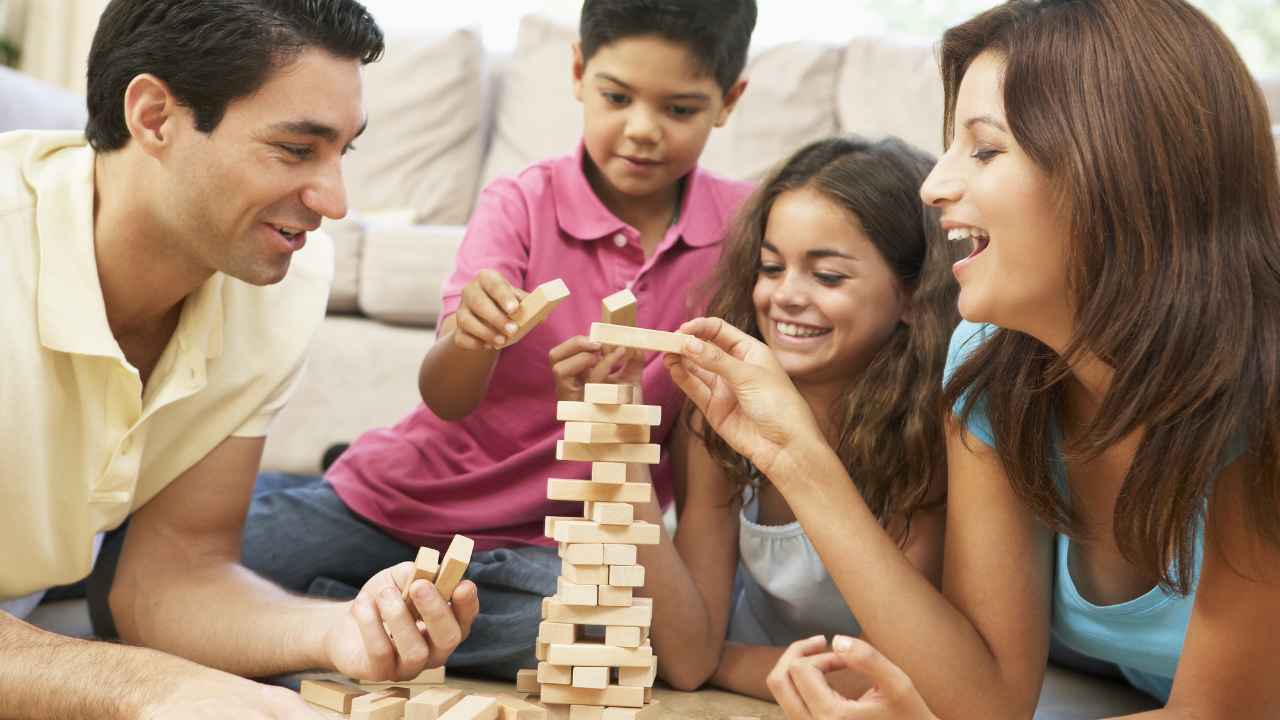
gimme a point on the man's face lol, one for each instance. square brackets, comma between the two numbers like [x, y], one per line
[242, 198]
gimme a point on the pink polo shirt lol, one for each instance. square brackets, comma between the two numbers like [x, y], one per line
[485, 476]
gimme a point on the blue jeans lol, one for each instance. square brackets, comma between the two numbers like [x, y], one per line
[300, 535]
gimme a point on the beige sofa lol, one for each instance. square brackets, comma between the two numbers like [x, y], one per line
[446, 117]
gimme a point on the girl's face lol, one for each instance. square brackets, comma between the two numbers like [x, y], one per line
[825, 298]
[995, 199]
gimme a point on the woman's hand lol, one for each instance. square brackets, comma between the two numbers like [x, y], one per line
[800, 686]
[746, 396]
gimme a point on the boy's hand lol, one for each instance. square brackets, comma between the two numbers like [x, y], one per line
[484, 317]
[579, 360]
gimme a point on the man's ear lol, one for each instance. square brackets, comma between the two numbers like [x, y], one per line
[150, 112]
[578, 68]
[731, 101]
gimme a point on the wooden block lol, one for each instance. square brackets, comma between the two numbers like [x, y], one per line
[536, 306]
[621, 636]
[431, 704]
[554, 632]
[580, 553]
[391, 708]
[638, 338]
[586, 712]
[330, 694]
[593, 677]
[425, 567]
[589, 491]
[637, 615]
[615, 695]
[585, 574]
[648, 453]
[611, 596]
[615, 554]
[368, 699]
[549, 674]
[527, 681]
[571, 593]
[594, 654]
[591, 432]
[604, 394]
[456, 559]
[608, 473]
[611, 513]
[619, 308]
[514, 708]
[626, 575]
[424, 679]
[638, 677]
[540, 648]
[473, 707]
[549, 524]
[637, 533]
[651, 711]
[570, 411]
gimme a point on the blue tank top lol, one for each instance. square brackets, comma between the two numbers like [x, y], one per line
[1142, 637]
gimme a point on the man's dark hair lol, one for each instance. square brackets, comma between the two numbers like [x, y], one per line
[717, 32]
[211, 52]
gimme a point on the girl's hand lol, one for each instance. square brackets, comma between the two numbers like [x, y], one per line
[799, 683]
[579, 360]
[484, 316]
[744, 394]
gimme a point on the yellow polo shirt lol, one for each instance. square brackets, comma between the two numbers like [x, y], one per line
[82, 442]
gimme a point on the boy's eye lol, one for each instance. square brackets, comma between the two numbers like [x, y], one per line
[614, 98]
[683, 111]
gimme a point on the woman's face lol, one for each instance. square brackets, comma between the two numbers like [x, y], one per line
[994, 198]
[825, 298]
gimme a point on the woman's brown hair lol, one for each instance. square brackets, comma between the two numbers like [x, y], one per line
[1155, 135]
[888, 421]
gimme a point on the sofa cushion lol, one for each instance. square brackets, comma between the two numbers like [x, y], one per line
[790, 100]
[29, 104]
[891, 86]
[424, 148]
[403, 270]
[348, 238]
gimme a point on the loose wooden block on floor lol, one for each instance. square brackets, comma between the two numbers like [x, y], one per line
[579, 553]
[536, 306]
[591, 654]
[391, 708]
[456, 559]
[637, 615]
[330, 694]
[571, 411]
[648, 453]
[592, 432]
[638, 338]
[596, 678]
[604, 394]
[586, 712]
[424, 679]
[651, 711]
[591, 491]
[433, 703]
[378, 696]
[619, 308]
[637, 533]
[612, 513]
[626, 575]
[513, 708]
[473, 707]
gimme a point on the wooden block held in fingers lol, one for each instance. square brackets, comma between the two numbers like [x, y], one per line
[608, 473]
[571, 411]
[590, 432]
[456, 559]
[637, 615]
[611, 513]
[425, 567]
[536, 306]
[527, 681]
[619, 308]
[647, 453]
[605, 394]
[549, 674]
[574, 594]
[585, 574]
[610, 596]
[637, 533]
[615, 695]
[588, 491]
[330, 694]
[593, 677]
[473, 707]
[638, 338]
[626, 575]
[622, 636]
[554, 632]
[615, 554]
[514, 708]
[432, 703]
[391, 708]
[580, 553]
[594, 654]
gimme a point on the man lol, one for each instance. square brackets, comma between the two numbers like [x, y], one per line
[154, 328]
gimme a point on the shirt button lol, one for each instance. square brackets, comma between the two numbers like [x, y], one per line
[620, 240]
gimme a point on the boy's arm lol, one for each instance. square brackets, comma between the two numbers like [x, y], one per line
[453, 380]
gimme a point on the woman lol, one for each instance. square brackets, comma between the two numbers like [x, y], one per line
[1114, 456]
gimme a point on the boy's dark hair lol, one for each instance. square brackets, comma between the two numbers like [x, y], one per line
[717, 32]
[211, 52]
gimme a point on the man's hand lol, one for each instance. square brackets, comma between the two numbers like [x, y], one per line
[580, 360]
[377, 637]
[800, 686]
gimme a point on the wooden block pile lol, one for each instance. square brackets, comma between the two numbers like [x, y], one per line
[413, 700]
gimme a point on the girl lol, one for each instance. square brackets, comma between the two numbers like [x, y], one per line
[1114, 458]
[836, 265]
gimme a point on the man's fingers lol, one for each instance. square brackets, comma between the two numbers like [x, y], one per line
[466, 606]
[442, 631]
[377, 646]
[410, 647]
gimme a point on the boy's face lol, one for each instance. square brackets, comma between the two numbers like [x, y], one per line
[647, 110]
